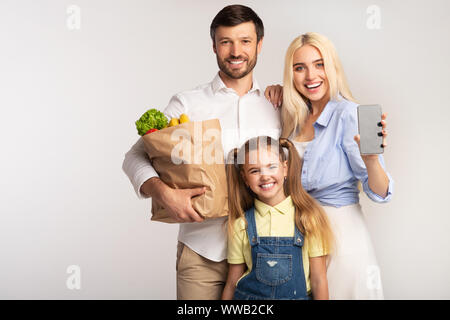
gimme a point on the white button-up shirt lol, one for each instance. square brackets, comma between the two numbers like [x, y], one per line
[241, 118]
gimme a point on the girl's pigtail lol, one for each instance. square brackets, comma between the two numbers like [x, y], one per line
[239, 198]
[310, 218]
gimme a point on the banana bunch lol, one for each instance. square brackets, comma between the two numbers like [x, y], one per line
[175, 121]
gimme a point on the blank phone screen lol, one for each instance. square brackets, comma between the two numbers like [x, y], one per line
[369, 118]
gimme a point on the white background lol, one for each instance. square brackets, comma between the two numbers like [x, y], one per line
[69, 99]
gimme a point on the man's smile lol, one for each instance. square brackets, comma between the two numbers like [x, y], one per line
[236, 64]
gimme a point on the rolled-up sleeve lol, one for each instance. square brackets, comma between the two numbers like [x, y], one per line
[137, 167]
[372, 195]
[350, 129]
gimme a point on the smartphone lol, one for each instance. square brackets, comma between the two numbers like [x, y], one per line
[369, 127]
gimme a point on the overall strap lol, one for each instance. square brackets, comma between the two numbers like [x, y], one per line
[253, 238]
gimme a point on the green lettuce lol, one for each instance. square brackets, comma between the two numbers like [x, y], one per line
[152, 119]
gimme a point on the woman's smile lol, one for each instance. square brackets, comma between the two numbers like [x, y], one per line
[309, 73]
[313, 87]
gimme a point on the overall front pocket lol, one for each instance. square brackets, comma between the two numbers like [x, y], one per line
[273, 269]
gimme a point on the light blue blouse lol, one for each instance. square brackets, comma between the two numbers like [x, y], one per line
[332, 164]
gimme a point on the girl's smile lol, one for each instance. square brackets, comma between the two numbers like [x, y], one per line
[267, 186]
[265, 175]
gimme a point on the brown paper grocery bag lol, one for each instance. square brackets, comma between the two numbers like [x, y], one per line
[190, 155]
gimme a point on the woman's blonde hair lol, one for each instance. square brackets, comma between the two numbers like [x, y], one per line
[295, 106]
[310, 218]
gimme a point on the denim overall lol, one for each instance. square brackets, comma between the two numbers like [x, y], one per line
[277, 267]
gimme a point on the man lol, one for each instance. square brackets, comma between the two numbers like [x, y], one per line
[236, 100]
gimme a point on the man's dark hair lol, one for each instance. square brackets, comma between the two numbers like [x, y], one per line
[233, 15]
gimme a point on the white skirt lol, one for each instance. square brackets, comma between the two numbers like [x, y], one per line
[352, 270]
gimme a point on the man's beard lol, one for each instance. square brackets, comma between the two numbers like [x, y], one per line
[237, 74]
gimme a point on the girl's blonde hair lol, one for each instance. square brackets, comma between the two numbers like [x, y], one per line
[310, 218]
[295, 106]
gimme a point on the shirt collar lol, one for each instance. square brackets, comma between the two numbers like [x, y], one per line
[218, 85]
[327, 112]
[283, 207]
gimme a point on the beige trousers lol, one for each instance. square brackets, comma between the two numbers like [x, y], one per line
[197, 277]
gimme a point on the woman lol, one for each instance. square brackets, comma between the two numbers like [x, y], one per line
[319, 115]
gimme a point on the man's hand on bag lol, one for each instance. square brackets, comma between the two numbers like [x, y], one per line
[176, 201]
[178, 204]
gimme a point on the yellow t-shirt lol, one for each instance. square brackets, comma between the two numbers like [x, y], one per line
[271, 221]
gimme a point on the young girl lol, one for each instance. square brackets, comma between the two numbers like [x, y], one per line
[279, 236]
